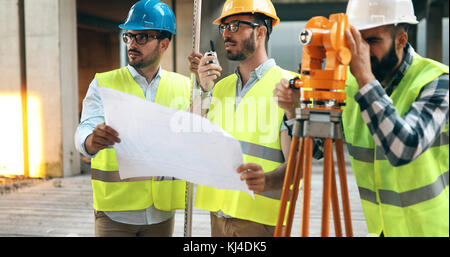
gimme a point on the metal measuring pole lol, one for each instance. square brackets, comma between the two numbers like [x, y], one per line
[196, 108]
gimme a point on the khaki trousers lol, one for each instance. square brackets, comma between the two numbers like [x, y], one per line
[106, 227]
[233, 227]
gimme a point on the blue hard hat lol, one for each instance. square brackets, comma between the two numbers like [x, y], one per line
[150, 15]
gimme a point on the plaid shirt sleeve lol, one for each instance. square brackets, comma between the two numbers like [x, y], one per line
[403, 139]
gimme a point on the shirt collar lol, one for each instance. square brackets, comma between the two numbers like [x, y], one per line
[261, 70]
[408, 55]
[136, 75]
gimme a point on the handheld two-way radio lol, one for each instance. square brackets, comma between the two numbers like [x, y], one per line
[212, 53]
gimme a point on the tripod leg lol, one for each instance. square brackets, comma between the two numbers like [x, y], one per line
[308, 141]
[286, 185]
[335, 203]
[294, 194]
[327, 162]
[344, 188]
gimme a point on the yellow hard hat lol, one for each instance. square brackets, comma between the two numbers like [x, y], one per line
[232, 7]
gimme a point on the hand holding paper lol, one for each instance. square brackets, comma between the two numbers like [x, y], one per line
[253, 175]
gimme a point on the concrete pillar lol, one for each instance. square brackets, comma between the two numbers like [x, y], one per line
[50, 28]
[9, 49]
[11, 138]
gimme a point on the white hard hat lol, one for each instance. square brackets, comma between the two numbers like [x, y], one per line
[367, 14]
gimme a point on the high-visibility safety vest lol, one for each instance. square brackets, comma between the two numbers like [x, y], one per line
[411, 199]
[112, 194]
[256, 124]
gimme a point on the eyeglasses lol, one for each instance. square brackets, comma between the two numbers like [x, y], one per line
[234, 26]
[141, 38]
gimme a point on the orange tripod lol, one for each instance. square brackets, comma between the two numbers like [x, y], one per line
[319, 116]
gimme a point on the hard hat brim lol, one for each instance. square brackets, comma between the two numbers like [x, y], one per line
[371, 26]
[138, 27]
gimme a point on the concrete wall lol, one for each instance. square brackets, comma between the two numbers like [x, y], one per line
[11, 140]
[183, 42]
[167, 60]
[50, 27]
[423, 39]
[98, 51]
[9, 48]
[211, 10]
[68, 85]
[284, 45]
[51, 67]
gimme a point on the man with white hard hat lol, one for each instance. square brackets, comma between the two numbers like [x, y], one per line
[395, 122]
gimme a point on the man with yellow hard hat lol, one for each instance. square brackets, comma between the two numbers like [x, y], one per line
[242, 104]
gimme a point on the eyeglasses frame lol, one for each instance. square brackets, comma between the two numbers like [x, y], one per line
[134, 36]
[222, 27]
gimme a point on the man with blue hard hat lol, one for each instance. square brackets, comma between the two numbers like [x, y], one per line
[134, 207]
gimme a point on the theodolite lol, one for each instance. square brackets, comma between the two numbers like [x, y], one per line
[322, 83]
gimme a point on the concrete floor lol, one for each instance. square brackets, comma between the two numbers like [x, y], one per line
[63, 207]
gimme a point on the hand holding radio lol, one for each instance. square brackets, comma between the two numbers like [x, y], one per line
[209, 69]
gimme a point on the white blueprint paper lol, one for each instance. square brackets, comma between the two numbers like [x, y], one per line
[160, 141]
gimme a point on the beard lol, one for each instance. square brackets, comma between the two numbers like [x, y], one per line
[248, 48]
[381, 69]
[144, 61]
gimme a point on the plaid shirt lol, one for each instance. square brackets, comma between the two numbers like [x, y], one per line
[402, 139]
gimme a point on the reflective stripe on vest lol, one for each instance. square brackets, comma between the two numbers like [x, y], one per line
[266, 153]
[263, 152]
[110, 192]
[261, 119]
[114, 176]
[408, 200]
[367, 154]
